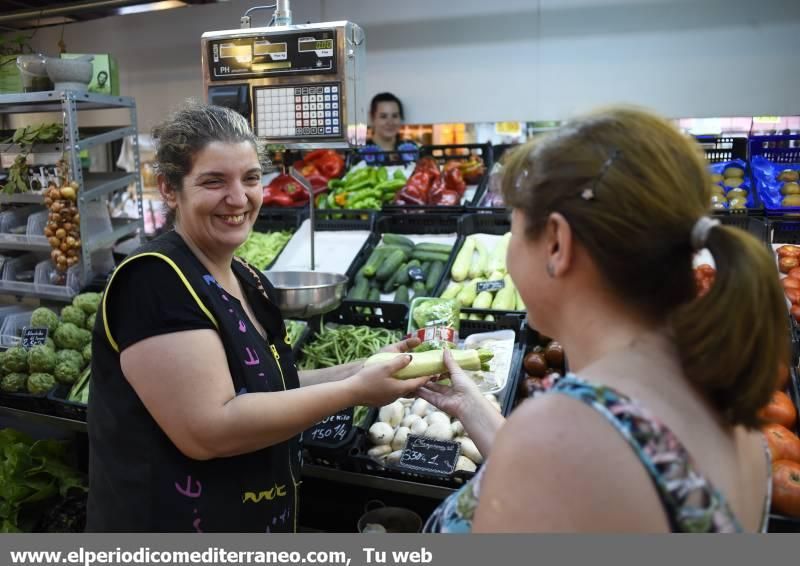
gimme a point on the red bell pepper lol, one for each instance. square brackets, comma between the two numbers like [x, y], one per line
[325, 162]
[454, 181]
[275, 196]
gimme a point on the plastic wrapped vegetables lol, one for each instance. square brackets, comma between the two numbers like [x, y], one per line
[261, 248]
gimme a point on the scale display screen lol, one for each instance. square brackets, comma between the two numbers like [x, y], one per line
[302, 52]
[304, 45]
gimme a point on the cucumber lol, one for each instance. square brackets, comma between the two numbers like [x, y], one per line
[430, 256]
[419, 289]
[391, 283]
[390, 264]
[373, 262]
[426, 267]
[374, 294]
[397, 240]
[435, 248]
[392, 248]
[401, 296]
[360, 290]
[434, 274]
[360, 274]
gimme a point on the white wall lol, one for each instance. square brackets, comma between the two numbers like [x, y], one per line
[478, 60]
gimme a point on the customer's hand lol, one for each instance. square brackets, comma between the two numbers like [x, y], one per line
[402, 346]
[375, 386]
[457, 399]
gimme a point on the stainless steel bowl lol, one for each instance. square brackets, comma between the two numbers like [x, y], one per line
[303, 294]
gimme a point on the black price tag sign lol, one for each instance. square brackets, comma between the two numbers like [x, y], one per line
[490, 285]
[430, 456]
[331, 430]
[33, 337]
[416, 273]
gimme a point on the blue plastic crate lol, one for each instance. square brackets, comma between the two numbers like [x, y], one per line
[768, 156]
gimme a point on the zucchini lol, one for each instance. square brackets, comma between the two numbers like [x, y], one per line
[419, 289]
[506, 298]
[478, 268]
[435, 248]
[483, 300]
[360, 290]
[397, 240]
[461, 265]
[452, 290]
[373, 262]
[432, 363]
[431, 256]
[391, 283]
[434, 274]
[401, 296]
[390, 264]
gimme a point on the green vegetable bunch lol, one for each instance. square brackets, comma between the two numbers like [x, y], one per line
[336, 345]
[261, 248]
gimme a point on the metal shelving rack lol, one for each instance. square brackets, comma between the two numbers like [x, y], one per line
[93, 186]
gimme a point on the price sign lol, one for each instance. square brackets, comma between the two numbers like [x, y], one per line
[331, 430]
[416, 274]
[430, 456]
[33, 337]
[490, 285]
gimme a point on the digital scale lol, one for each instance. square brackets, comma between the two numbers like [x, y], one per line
[301, 86]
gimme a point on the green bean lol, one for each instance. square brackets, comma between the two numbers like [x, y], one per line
[343, 344]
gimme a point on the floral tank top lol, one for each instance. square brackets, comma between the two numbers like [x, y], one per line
[692, 504]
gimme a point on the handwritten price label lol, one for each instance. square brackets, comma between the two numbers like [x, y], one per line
[332, 429]
[430, 456]
[33, 337]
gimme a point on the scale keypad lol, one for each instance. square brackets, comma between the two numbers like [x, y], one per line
[300, 111]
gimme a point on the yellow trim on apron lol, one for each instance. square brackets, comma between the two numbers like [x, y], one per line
[177, 269]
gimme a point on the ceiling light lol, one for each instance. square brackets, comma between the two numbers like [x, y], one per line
[151, 7]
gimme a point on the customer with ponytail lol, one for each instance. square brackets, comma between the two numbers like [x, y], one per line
[655, 428]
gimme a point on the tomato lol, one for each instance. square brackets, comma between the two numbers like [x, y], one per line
[787, 263]
[786, 487]
[788, 250]
[794, 272]
[790, 282]
[780, 410]
[783, 376]
[793, 295]
[706, 270]
[783, 443]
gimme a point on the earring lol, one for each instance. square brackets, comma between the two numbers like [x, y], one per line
[551, 272]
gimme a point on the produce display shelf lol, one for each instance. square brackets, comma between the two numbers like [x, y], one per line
[377, 482]
[97, 185]
[43, 418]
[52, 100]
[121, 227]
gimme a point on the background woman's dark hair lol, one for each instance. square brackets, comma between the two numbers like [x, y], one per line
[188, 131]
[651, 184]
[385, 97]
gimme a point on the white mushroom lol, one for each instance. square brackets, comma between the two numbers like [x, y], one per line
[410, 419]
[469, 449]
[391, 414]
[465, 464]
[419, 427]
[400, 437]
[378, 452]
[420, 407]
[381, 433]
[394, 457]
[437, 417]
[406, 401]
[439, 431]
[457, 428]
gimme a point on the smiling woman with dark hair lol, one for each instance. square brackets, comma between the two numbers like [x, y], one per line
[196, 405]
[386, 116]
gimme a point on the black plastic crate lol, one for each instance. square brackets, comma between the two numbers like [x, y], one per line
[365, 464]
[442, 154]
[26, 402]
[382, 158]
[723, 148]
[275, 219]
[783, 148]
[757, 227]
[343, 219]
[337, 454]
[64, 408]
[390, 313]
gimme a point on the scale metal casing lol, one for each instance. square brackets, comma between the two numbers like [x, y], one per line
[301, 86]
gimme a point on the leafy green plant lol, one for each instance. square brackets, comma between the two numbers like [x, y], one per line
[18, 178]
[32, 474]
